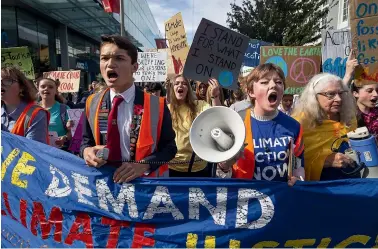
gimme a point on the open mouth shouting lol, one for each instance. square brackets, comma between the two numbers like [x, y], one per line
[2, 91]
[112, 75]
[272, 98]
[374, 101]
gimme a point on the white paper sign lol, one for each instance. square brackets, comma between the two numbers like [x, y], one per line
[53, 136]
[336, 46]
[246, 70]
[74, 115]
[152, 67]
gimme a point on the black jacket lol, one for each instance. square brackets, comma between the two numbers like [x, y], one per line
[166, 148]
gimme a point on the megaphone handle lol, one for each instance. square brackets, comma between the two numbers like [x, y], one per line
[191, 162]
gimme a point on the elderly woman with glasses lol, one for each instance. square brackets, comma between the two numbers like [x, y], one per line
[326, 111]
[19, 113]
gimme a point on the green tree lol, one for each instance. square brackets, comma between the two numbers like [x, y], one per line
[282, 22]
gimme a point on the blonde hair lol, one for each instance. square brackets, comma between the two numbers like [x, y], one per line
[100, 86]
[174, 105]
[309, 110]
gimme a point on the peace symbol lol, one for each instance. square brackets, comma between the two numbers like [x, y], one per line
[302, 69]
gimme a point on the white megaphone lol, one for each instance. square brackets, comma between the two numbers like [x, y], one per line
[217, 134]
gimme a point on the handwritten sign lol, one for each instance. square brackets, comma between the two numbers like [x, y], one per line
[19, 57]
[246, 70]
[69, 80]
[74, 115]
[176, 35]
[364, 29]
[216, 52]
[252, 55]
[299, 64]
[169, 62]
[152, 67]
[336, 47]
[78, 136]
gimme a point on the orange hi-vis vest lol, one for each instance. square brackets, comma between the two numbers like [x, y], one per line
[244, 168]
[26, 118]
[150, 127]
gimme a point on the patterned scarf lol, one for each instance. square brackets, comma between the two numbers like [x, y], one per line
[371, 121]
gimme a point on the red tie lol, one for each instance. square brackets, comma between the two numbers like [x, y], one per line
[113, 137]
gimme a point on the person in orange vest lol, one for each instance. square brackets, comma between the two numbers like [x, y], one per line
[124, 120]
[272, 137]
[19, 113]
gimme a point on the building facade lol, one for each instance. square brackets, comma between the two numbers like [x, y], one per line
[338, 16]
[65, 34]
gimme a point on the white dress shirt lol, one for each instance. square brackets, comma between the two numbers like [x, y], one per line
[124, 119]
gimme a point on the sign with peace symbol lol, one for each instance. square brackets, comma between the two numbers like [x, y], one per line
[302, 69]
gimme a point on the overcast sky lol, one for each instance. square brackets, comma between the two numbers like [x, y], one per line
[192, 11]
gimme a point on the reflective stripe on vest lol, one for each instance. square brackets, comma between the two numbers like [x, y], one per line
[26, 118]
[150, 128]
[244, 168]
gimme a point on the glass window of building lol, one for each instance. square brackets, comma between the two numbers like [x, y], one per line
[8, 28]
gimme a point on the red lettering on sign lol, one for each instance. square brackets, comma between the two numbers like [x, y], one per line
[7, 206]
[82, 220]
[23, 207]
[67, 86]
[140, 239]
[39, 217]
[115, 228]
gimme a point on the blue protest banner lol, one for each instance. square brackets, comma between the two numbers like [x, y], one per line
[52, 199]
[252, 55]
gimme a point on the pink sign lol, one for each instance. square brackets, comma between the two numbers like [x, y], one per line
[77, 137]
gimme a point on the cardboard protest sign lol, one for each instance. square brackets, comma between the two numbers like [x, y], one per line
[74, 115]
[78, 136]
[176, 36]
[216, 52]
[364, 29]
[69, 80]
[299, 64]
[252, 55]
[19, 57]
[169, 63]
[152, 67]
[336, 47]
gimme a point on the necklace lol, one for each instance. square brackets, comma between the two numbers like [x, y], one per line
[264, 118]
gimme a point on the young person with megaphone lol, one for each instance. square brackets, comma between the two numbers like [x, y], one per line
[271, 136]
[184, 109]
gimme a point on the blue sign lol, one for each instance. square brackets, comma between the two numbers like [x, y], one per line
[252, 55]
[52, 199]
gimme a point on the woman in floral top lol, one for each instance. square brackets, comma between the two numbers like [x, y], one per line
[367, 99]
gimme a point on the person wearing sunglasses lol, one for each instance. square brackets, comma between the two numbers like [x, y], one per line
[19, 113]
[327, 112]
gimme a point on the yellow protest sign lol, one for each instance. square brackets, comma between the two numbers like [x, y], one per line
[19, 57]
[364, 31]
[176, 36]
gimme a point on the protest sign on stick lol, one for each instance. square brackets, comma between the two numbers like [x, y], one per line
[176, 36]
[69, 80]
[364, 30]
[299, 64]
[152, 67]
[252, 55]
[216, 52]
[18, 57]
[336, 47]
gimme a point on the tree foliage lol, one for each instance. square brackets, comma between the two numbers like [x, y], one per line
[282, 22]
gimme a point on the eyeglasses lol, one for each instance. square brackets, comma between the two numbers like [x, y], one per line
[7, 82]
[332, 95]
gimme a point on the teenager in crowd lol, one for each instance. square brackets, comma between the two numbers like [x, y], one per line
[286, 105]
[326, 111]
[201, 90]
[155, 88]
[269, 132]
[234, 97]
[59, 121]
[125, 120]
[184, 109]
[367, 110]
[246, 102]
[19, 113]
